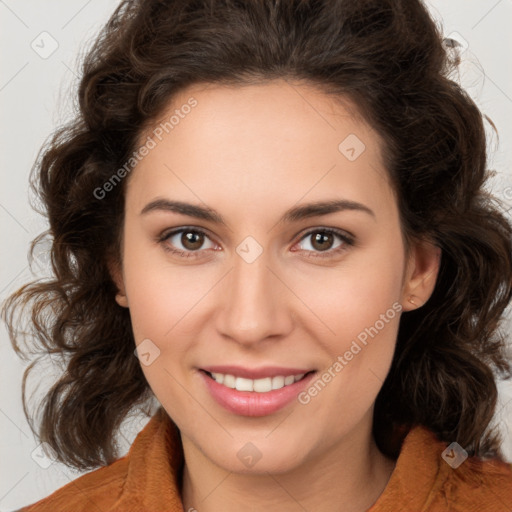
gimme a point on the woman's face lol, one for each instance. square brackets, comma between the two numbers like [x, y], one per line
[290, 261]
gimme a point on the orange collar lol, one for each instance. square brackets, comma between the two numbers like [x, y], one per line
[148, 479]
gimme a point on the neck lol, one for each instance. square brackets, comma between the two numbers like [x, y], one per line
[353, 473]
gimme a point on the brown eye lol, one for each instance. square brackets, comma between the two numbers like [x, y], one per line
[192, 240]
[186, 241]
[322, 241]
[327, 241]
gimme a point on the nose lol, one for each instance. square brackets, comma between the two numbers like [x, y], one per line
[254, 305]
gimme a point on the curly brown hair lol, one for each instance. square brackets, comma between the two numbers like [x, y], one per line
[385, 55]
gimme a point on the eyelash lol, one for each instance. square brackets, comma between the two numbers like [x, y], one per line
[348, 241]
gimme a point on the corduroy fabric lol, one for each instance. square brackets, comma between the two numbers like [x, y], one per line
[147, 479]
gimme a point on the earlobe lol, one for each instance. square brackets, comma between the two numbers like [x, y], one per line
[122, 300]
[422, 272]
[118, 279]
[413, 300]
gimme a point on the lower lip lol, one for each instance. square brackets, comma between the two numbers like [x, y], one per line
[251, 403]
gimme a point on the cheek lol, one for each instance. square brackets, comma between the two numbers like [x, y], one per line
[357, 312]
[362, 293]
[336, 302]
[161, 301]
[360, 352]
[160, 295]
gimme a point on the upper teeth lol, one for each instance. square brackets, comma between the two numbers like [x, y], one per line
[259, 385]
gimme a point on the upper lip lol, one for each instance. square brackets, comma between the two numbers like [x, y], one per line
[255, 373]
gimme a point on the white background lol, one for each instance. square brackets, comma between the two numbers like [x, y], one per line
[35, 97]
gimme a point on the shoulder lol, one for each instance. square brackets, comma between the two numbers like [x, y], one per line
[146, 478]
[461, 483]
[483, 485]
[434, 476]
[97, 490]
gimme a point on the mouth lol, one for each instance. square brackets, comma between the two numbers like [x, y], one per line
[262, 385]
[260, 396]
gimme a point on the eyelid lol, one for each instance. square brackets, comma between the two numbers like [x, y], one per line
[174, 231]
[347, 238]
[345, 235]
[167, 234]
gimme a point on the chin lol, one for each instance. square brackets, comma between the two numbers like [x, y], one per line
[258, 456]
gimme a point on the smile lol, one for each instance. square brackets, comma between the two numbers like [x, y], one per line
[260, 396]
[257, 385]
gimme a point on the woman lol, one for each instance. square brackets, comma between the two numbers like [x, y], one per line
[280, 207]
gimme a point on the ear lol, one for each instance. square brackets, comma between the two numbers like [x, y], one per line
[118, 278]
[421, 274]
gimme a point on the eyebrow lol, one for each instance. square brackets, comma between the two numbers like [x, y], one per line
[294, 214]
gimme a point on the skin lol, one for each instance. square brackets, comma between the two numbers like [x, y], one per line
[251, 153]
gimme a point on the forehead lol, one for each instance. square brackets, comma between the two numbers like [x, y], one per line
[260, 142]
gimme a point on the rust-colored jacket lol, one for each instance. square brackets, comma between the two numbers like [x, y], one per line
[146, 479]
